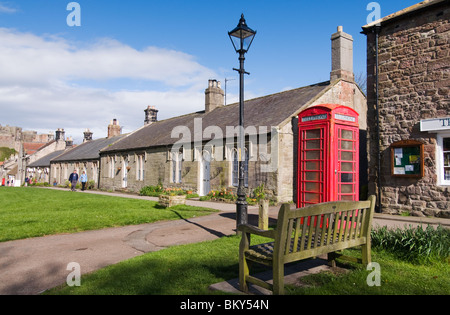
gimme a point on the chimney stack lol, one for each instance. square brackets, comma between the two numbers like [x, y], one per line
[114, 128]
[87, 135]
[341, 56]
[60, 134]
[214, 96]
[69, 142]
[151, 115]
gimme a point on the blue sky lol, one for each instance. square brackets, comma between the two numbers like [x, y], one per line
[130, 54]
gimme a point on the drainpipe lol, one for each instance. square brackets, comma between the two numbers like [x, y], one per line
[377, 29]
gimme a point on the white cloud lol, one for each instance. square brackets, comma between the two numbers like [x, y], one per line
[4, 8]
[44, 83]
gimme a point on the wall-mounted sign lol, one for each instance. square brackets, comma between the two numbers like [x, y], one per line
[435, 124]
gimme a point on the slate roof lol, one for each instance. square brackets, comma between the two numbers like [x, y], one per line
[270, 110]
[45, 160]
[88, 150]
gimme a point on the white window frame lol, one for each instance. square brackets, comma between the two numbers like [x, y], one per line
[176, 166]
[140, 158]
[440, 158]
[111, 166]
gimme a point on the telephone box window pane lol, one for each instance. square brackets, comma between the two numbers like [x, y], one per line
[313, 144]
[312, 166]
[346, 189]
[347, 145]
[311, 197]
[313, 155]
[314, 176]
[347, 134]
[347, 156]
[347, 197]
[346, 178]
[312, 187]
[313, 134]
[346, 167]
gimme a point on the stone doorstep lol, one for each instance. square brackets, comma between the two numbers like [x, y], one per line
[292, 273]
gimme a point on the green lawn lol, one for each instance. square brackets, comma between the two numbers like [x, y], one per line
[186, 269]
[191, 269]
[29, 212]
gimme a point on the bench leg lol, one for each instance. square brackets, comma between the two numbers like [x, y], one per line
[243, 273]
[243, 264]
[278, 278]
[366, 254]
[331, 257]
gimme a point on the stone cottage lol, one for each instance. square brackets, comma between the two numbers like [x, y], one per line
[408, 88]
[198, 151]
[84, 157]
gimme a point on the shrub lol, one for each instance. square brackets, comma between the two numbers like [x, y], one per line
[416, 245]
[152, 191]
[90, 184]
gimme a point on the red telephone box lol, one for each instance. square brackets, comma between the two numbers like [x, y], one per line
[328, 154]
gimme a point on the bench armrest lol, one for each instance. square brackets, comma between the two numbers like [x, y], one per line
[247, 228]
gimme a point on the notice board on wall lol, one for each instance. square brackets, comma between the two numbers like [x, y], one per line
[407, 158]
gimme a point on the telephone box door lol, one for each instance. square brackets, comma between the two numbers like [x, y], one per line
[312, 159]
[347, 166]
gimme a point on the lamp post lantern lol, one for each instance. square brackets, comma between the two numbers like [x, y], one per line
[241, 38]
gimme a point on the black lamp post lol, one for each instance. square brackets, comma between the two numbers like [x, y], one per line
[241, 37]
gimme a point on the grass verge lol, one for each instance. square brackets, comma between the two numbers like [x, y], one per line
[31, 212]
[191, 269]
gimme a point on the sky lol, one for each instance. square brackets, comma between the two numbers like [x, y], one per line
[80, 66]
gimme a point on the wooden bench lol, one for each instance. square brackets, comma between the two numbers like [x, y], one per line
[306, 233]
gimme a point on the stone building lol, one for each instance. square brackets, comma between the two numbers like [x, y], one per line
[198, 151]
[408, 87]
[84, 157]
[31, 147]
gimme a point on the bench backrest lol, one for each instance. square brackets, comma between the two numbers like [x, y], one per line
[321, 228]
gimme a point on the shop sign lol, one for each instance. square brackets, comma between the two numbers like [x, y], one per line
[435, 124]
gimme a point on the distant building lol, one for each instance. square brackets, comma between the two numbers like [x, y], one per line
[409, 150]
[30, 147]
[84, 157]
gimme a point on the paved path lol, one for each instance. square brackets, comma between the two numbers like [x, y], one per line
[31, 266]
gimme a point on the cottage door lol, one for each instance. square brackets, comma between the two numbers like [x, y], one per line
[206, 172]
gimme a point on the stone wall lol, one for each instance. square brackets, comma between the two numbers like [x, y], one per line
[414, 80]
[158, 170]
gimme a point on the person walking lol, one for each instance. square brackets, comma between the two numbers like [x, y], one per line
[73, 179]
[83, 179]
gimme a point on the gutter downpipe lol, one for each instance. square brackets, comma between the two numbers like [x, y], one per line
[377, 29]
